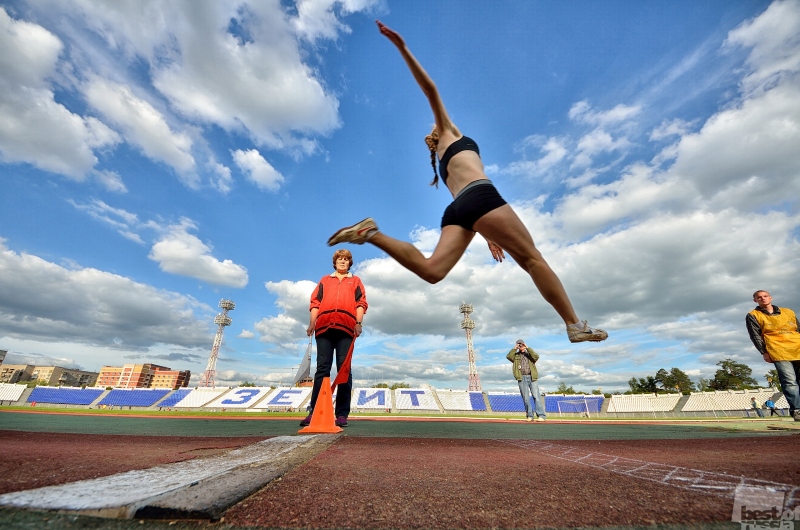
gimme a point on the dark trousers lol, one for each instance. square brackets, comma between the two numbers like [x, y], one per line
[328, 342]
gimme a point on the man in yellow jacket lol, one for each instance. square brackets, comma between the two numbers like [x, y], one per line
[775, 333]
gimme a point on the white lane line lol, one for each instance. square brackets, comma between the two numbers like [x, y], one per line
[720, 484]
[134, 487]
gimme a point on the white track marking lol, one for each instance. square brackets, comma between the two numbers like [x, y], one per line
[720, 484]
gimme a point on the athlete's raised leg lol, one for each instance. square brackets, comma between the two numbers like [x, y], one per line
[503, 226]
[451, 246]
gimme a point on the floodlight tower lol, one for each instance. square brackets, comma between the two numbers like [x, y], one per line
[468, 325]
[208, 379]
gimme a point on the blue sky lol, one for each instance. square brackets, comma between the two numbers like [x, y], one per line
[159, 156]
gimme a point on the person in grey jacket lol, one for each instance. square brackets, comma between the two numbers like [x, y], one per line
[523, 361]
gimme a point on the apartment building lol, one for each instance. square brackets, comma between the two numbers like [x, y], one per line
[142, 376]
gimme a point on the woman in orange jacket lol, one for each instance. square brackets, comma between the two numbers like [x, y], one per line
[337, 309]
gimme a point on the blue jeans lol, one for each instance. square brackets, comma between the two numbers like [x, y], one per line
[333, 340]
[531, 396]
[789, 375]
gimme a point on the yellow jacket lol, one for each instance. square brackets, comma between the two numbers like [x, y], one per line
[776, 334]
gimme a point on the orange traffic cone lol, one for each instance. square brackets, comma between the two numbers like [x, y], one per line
[322, 420]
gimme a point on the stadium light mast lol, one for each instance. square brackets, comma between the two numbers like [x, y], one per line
[208, 379]
[468, 325]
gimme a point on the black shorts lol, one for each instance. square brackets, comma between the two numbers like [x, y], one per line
[473, 202]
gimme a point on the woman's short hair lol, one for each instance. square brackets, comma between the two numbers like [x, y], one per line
[343, 253]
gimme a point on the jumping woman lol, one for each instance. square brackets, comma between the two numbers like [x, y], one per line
[476, 207]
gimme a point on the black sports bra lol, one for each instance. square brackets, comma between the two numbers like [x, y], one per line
[462, 144]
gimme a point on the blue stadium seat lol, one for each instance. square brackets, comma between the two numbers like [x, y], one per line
[506, 402]
[175, 397]
[64, 396]
[138, 397]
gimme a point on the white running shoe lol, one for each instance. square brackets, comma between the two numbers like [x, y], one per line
[540, 419]
[585, 333]
[358, 234]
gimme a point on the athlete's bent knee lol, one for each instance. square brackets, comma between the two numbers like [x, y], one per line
[432, 277]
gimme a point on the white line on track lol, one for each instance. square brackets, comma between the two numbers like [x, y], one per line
[719, 484]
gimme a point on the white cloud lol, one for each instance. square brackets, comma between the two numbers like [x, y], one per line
[582, 112]
[179, 252]
[143, 125]
[669, 128]
[224, 179]
[35, 129]
[45, 302]
[594, 143]
[245, 67]
[246, 334]
[234, 64]
[774, 43]
[111, 181]
[758, 138]
[125, 223]
[176, 250]
[553, 151]
[258, 170]
[280, 330]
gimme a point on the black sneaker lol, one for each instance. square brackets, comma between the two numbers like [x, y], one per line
[305, 422]
[341, 421]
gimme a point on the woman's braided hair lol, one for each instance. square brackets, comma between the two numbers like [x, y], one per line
[432, 141]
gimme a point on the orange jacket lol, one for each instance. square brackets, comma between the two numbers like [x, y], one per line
[337, 301]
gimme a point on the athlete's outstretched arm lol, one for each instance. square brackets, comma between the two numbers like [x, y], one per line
[424, 81]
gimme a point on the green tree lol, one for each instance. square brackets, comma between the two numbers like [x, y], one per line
[704, 385]
[643, 385]
[380, 385]
[733, 376]
[772, 379]
[399, 385]
[247, 383]
[675, 380]
[564, 389]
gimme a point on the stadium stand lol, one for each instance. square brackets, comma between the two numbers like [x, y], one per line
[174, 398]
[573, 403]
[133, 397]
[199, 397]
[241, 398]
[729, 401]
[506, 402]
[643, 403]
[461, 400]
[782, 404]
[371, 399]
[64, 396]
[285, 398]
[11, 392]
[415, 399]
